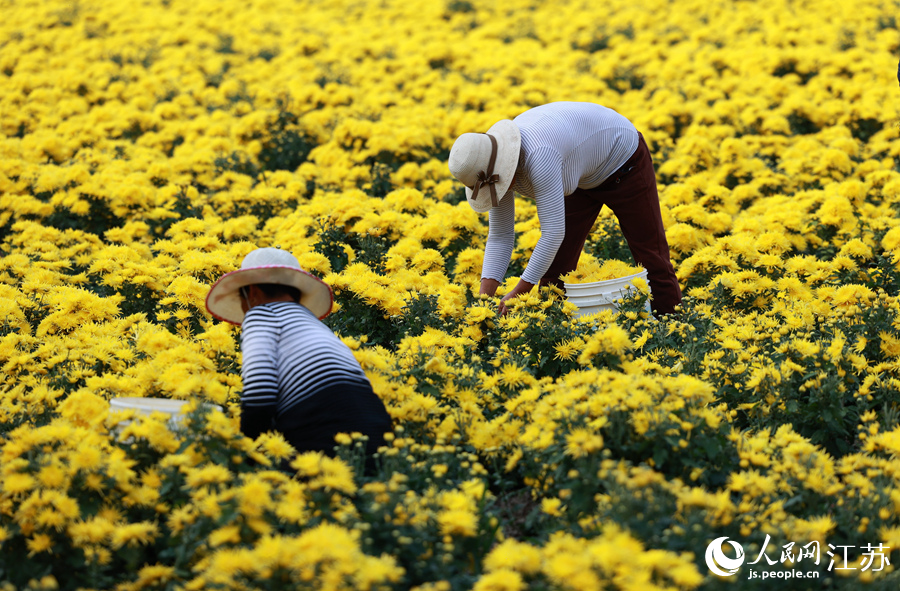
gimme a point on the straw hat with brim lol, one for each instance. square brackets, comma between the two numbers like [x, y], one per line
[267, 265]
[486, 163]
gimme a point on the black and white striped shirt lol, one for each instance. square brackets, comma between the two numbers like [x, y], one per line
[565, 146]
[290, 355]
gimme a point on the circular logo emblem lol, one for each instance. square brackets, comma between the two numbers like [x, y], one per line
[720, 564]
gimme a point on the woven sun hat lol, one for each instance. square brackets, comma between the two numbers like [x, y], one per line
[267, 265]
[486, 163]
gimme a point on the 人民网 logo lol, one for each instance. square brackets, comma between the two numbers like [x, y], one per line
[720, 564]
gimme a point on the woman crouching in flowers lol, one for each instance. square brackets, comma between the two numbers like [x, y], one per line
[572, 159]
[298, 377]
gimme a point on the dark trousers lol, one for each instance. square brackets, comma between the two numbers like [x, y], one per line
[343, 408]
[632, 196]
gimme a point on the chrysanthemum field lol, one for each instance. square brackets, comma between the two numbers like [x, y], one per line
[146, 147]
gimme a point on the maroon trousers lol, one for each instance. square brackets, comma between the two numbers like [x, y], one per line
[632, 196]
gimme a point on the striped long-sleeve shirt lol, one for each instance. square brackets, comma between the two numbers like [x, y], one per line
[288, 356]
[564, 146]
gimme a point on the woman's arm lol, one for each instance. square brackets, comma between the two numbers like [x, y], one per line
[550, 201]
[500, 242]
[259, 372]
[489, 286]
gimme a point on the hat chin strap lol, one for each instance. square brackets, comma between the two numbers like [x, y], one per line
[488, 178]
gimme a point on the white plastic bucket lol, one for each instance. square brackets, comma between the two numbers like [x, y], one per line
[146, 406]
[596, 296]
